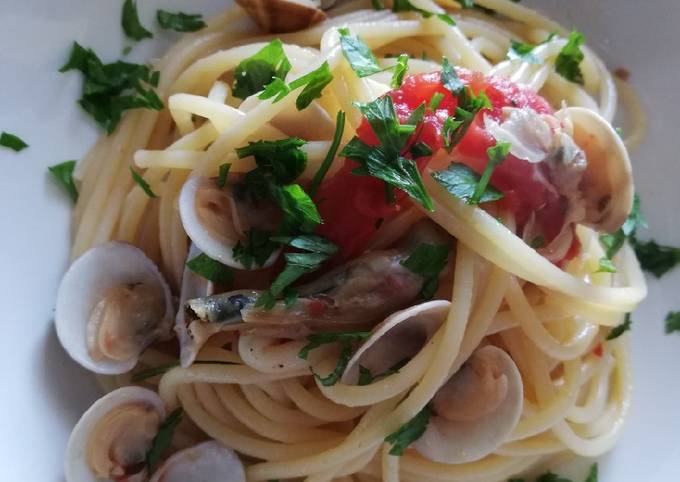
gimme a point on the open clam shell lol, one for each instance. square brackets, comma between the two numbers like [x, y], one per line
[113, 436]
[111, 304]
[205, 462]
[279, 16]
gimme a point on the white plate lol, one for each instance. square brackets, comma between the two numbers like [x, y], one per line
[44, 392]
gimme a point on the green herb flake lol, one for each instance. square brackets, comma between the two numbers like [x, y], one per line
[618, 330]
[319, 339]
[407, 6]
[153, 372]
[314, 83]
[656, 258]
[210, 269]
[223, 174]
[672, 322]
[132, 27]
[12, 141]
[496, 155]
[605, 265]
[461, 181]
[568, 61]
[180, 21]
[538, 242]
[366, 377]
[377, 5]
[142, 183]
[254, 73]
[450, 79]
[358, 54]
[257, 250]
[400, 69]
[612, 243]
[111, 89]
[330, 155]
[550, 477]
[522, 51]
[427, 260]
[409, 432]
[63, 173]
[163, 439]
[282, 160]
[436, 99]
[592, 474]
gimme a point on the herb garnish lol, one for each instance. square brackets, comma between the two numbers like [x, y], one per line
[496, 155]
[163, 439]
[522, 51]
[605, 265]
[385, 161]
[313, 82]
[461, 181]
[12, 142]
[142, 183]
[223, 174]
[210, 269]
[256, 72]
[427, 260]
[612, 243]
[358, 54]
[257, 250]
[330, 155]
[153, 372]
[407, 6]
[366, 377]
[450, 79]
[409, 432]
[345, 339]
[110, 89]
[672, 321]
[550, 477]
[400, 69]
[435, 100]
[63, 173]
[656, 258]
[568, 61]
[180, 21]
[132, 27]
[618, 330]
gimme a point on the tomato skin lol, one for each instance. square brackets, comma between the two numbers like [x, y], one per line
[354, 205]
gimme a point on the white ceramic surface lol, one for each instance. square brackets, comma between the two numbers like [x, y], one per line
[44, 392]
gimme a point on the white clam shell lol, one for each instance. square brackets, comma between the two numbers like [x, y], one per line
[76, 468]
[200, 235]
[205, 462]
[456, 442]
[87, 280]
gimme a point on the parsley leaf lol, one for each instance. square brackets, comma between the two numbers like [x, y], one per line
[605, 265]
[450, 78]
[618, 330]
[12, 142]
[142, 183]
[435, 100]
[110, 89]
[377, 5]
[592, 474]
[210, 269]
[366, 377]
[358, 54]
[400, 69]
[496, 155]
[427, 260]
[409, 432]
[538, 242]
[656, 258]
[407, 6]
[550, 477]
[163, 439]
[308, 242]
[179, 21]
[299, 210]
[282, 160]
[153, 372]
[522, 51]
[318, 339]
[257, 250]
[672, 321]
[63, 173]
[469, 104]
[333, 377]
[223, 174]
[254, 73]
[385, 161]
[461, 181]
[612, 243]
[330, 155]
[313, 82]
[132, 27]
[568, 61]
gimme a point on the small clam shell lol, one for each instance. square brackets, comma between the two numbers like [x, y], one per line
[76, 465]
[607, 182]
[279, 16]
[205, 462]
[210, 218]
[486, 397]
[87, 282]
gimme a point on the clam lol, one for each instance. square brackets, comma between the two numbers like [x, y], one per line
[205, 462]
[111, 439]
[607, 183]
[474, 412]
[217, 219]
[111, 304]
[278, 16]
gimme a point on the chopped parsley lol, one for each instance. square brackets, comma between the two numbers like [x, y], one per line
[163, 439]
[619, 330]
[672, 321]
[12, 141]
[436, 99]
[210, 269]
[409, 432]
[330, 155]
[400, 69]
[656, 258]
[568, 61]
[407, 6]
[132, 27]
[366, 377]
[257, 250]
[110, 89]
[522, 51]
[551, 477]
[605, 265]
[281, 160]
[179, 21]
[612, 243]
[223, 174]
[427, 260]
[254, 73]
[450, 79]
[63, 173]
[538, 242]
[153, 372]
[461, 182]
[358, 54]
[142, 183]
[496, 155]
[346, 339]
[377, 5]
[385, 160]
[313, 82]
